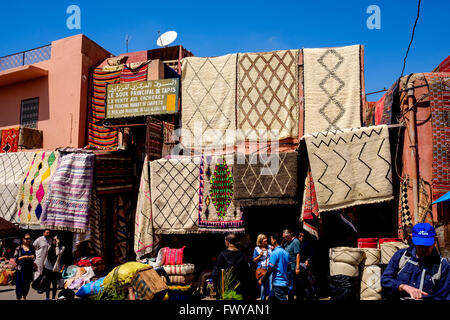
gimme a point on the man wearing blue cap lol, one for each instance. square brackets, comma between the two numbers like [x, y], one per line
[418, 272]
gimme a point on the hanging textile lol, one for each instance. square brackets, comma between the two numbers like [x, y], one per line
[130, 74]
[69, 192]
[263, 180]
[310, 215]
[439, 91]
[99, 136]
[121, 212]
[12, 168]
[30, 138]
[332, 88]
[9, 140]
[113, 172]
[383, 108]
[209, 100]
[174, 191]
[425, 210]
[216, 210]
[169, 139]
[34, 186]
[405, 218]
[143, 229]
[351, 166]
[268, 95]
[154, 141]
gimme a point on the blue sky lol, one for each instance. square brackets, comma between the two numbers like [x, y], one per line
[211, 28]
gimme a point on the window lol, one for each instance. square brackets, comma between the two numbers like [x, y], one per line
[29, 113]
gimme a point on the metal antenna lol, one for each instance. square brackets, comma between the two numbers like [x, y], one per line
[126, 41]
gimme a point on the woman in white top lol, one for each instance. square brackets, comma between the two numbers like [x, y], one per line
[261, 256]
[53, 267]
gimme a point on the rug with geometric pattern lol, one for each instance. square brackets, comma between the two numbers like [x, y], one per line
[332, 88]
[268, 94]
[351, 166]
[12, 168]
[174, 193]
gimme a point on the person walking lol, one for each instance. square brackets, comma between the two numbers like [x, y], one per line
[41, 245]
[261, 256]
[278, 268]
[307, 264]
[24, 257]
[53, 267]
[292, 246]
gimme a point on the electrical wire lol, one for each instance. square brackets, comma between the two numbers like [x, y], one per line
[412, 37]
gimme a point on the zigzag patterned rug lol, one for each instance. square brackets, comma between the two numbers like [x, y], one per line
[216, 210]
[351, 166]
[332, 88]
[12, 167]
[268, 94]
[9, 140]
[209, 99]
[269, 180]
[174, 191]
[143, 229]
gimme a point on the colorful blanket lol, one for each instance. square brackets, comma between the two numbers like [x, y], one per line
[130, 74]
[12, 167]
[99, 136]
[209, 100]
[350, 166]
[174, 191]
[332, 88]
[113, 172]
[383, 109]
[216, 210]
[143, 229]
[268, 95]
[9, 140]
[33, 189]
[262, 180]
[310, 208]
[439, 90]
[69, 193]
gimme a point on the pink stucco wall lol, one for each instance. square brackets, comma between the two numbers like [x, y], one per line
[63, 94]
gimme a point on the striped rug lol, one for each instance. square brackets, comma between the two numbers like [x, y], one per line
[99, 136]
[130, 74]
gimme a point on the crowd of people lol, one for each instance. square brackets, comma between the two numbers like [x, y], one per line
[36, 261]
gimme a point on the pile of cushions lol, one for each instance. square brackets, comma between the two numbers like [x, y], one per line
[371, 275]
[179, 273]
[7, 271]
[388, 249]
[75, 277]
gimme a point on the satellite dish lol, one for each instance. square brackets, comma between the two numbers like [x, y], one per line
[166, 38]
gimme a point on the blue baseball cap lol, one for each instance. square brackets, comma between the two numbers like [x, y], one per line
[423, 234]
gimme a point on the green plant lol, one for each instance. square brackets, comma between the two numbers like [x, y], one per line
[229, 286]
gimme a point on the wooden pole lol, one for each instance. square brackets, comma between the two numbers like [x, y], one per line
[413, 151]
[223, 283]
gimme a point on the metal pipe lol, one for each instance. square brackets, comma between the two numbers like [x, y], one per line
[413, 150]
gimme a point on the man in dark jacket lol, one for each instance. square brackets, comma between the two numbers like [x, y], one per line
[232, 257]
[418, 272]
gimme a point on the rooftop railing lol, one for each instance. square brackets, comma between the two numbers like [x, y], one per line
[25, 57]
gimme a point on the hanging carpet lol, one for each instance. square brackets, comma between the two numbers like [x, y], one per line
[12, 168]
[350, 167]
[113, 172]
[262, 180]
[310, 208]
[209, 100]
[9, 140]
[69, 192]
[268, 95]
[174, 188]
[216, 210]
[130, 74]
[332, 88]
[154, 140]
[33, 188]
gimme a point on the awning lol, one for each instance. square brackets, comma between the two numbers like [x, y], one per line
[445, 197]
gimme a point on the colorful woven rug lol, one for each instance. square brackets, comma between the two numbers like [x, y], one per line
[439, 90]
[99, 136]
[122, 210]
[30, 138]
[351, 166]
[69, 193]
[113, 172]
[154, 141]
[143, 229]
[33, 188]
[332, 88]
[209, 100]
[383, 109]
[262, 180]
[9, 140]
[216, 210]
[268, 94]
[310, 208]
[130, 74]
[12, 167]
[174, 191]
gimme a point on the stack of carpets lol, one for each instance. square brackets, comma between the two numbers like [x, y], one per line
[9, 140]
[371, 275]
[100, 136]
[179, 272]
